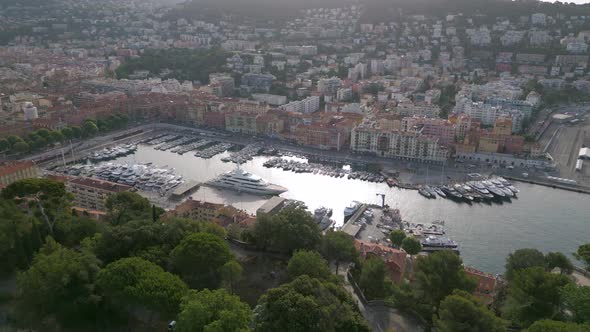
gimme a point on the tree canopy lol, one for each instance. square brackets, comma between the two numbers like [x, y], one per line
[59, 286]
[556, 326]
[411, 245]
[304, 262]
[133, 282]
[583, 254]
[307, 304]
[199, 257]
[184, 64]
[461, 312]
[372, 278]
[575, 300]
[287, 231]
[337, 247]
[215, 310]
[522, 259]
[533, 294]
[397, 237]
[127, 206]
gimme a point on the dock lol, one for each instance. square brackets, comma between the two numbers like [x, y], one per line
[185, 189]
[351, 227]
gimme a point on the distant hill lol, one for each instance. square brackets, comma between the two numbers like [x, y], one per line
[375, 9]
[258, 9]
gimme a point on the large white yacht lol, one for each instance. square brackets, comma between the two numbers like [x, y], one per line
[242, 181]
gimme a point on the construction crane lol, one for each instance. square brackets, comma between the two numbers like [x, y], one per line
[382, 200]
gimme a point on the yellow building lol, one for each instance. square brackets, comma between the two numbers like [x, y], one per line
[91, 194]
[17, 170]
[206, 211]
[489, 144]
[503, 126]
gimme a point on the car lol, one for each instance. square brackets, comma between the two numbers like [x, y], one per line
[510, 167]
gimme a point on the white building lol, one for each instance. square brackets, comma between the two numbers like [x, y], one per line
[538, 19]
[307, 105]
[275, 100]
[329, 86]
[30, 111]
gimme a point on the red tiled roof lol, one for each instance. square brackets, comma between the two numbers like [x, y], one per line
[15, 166]
[100, 184]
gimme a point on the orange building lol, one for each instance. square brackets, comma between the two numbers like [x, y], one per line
[394, 259]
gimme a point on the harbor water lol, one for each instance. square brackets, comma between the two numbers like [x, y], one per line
[541, 217]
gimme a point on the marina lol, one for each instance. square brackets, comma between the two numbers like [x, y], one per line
[556, 220]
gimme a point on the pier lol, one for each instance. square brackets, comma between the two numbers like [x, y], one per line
[184, 190]
[352, 227]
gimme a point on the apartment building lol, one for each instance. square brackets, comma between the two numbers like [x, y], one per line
[17, 170]
[241, 122]
[206, 211]
[397, 144]
[307, 105]
[91, 194]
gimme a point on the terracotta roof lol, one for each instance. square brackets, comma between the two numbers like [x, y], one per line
[100, 184]
[15, 166]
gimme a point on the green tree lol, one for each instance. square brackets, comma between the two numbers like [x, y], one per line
[555, 326]
[127, 206]
[372, 279]
[287, 231]
[19, 238]
[70, 230]
[338, 247]
[45, 133]
[533, 294]
[76, 131]
[57, 136]
[522, 259]
[558, 260]
[59, 286]
[13, 139]
[89, 128]
[461, 312]
[411, 245]
[46, 198]
[307, 304]
[134, 283]
[68, 133]
[438, 275]
[149, 240]
[397, 237]
[215, 310]
[231, 272]
[199, 257]
[309, 263]
[575, 301]
[4, 145]
[21, 147]
[583, 255]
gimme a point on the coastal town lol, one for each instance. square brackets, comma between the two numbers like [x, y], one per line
[216, 114]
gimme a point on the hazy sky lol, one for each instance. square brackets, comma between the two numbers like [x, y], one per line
[568, 1]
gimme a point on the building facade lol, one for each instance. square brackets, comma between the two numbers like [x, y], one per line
[91, 194]
[17, 170]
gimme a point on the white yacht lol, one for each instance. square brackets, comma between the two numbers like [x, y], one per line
[242, 181]
[351, 209]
